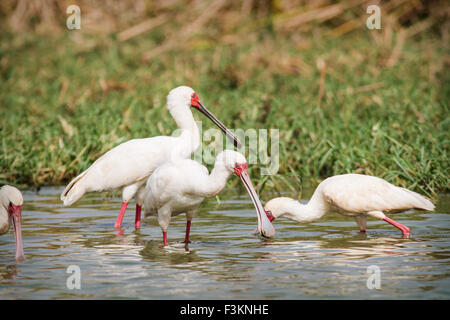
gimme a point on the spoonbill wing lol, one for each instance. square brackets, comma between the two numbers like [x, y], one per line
[356, 193]
[126, 164]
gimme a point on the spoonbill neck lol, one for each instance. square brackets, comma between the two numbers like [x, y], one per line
[4, 220]
[300, 212]
[217, 180]
[190, 133]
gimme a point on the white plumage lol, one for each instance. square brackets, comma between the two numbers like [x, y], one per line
[11, 202]
[129, 164]
[180, 187]
[353, 195]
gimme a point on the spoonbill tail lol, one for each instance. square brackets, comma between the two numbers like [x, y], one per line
[11, 202]
[129, 164]
[353, 195]
[182, 185]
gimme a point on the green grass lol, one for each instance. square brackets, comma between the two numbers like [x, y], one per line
[397, 129]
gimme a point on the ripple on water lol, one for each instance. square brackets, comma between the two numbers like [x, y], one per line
[325, 259]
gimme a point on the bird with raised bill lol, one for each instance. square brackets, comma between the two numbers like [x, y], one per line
[353, 195]
[181, 185]
[129, 164]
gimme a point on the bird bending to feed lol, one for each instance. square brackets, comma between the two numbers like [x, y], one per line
[11, 202]
[129, 164]
[180, 187]
[353, 195]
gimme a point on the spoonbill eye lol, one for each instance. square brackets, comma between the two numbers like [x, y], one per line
[270, 215]
[239, 168]
[195, 100]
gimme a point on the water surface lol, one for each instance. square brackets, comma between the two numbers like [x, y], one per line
[322, 260]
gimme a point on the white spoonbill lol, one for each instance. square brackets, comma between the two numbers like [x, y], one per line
[129, 164]
[11, 202]
[180, 187]
[353, 195]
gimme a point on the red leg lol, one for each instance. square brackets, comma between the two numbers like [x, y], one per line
[137, 221]
[404, 229]
[165, 238]
[118, 223]
[188, 229]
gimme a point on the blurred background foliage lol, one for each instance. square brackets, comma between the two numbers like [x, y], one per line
[225, 20]
[345, 98]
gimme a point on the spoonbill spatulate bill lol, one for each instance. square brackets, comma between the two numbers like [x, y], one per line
[353, 195]
[129, 164]
[11, 202]
[180, 187]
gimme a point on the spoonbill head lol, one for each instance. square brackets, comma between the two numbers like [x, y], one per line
[129, 164]
[180, 187]
[354, 195]
[237, 161]
[11, 202]
[183, 97]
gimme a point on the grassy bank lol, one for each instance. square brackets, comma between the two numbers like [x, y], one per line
[353, 103]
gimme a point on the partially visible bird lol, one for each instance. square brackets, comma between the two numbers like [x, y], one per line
[180, 187]
[129, 164]
[11, 202]
[354, 195]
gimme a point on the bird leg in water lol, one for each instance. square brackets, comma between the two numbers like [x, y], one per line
[118, 223]
[188, 228]
[189, 216]
[165, 238]
[362, 224]
[137, 220]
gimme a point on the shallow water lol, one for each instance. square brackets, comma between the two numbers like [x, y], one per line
[322, 260]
